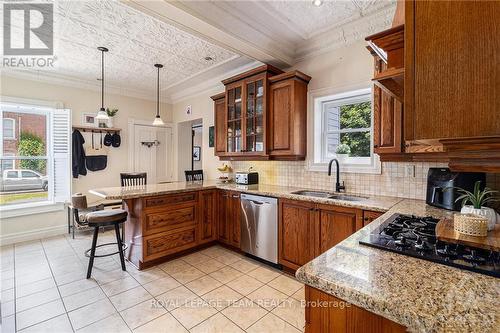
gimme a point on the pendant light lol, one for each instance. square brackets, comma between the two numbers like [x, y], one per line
[158, 121]
[102, 114]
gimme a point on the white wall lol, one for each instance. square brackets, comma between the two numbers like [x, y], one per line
[79, 101]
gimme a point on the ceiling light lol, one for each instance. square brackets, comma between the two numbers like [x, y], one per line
[317, 3]
[102, 114]
[158, 121]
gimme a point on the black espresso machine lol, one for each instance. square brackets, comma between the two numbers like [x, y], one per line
[439, 179]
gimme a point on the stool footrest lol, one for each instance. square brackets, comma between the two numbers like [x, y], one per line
[87, 253]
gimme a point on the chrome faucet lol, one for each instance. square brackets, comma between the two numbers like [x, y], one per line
[338, 187]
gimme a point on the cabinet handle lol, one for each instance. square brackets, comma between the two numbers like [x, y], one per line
[225, 195]
[366, 219]
[375, 146]
[311, 209]
[235, 196]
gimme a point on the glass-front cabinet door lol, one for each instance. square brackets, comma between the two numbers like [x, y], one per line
[234, 119]
[254, 115]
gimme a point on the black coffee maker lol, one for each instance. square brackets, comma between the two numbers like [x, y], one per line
[439, 179]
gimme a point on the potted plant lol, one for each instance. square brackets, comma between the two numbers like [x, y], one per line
[111, 113]
[478, 199]
[342, 152]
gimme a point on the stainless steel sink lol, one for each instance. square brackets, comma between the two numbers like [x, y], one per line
[329, 195]
[318, 194]
[347, 197]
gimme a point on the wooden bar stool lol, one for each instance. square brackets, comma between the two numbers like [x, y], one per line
[97, 219]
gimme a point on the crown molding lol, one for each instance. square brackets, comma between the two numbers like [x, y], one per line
[210, 85]
[345, 35]
[81, 84]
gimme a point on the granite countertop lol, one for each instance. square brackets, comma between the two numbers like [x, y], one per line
[421, 295]
[376, 203]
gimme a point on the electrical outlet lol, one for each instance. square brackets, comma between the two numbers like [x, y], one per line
[410, 171]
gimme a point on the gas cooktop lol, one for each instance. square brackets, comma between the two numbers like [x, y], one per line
[416, 237]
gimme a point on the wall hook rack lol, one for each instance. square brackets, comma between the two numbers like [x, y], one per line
[150, 144]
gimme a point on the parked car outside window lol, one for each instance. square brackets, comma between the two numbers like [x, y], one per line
[23, 180]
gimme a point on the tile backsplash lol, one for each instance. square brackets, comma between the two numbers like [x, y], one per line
[391, 182]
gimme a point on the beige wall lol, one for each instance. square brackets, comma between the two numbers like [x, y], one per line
[202, 107]
[80, 101]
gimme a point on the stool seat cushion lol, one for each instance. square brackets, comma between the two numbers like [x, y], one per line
[106, 216]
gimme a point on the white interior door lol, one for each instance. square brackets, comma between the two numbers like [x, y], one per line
[154, 159]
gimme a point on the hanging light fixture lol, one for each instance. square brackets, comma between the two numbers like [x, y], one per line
[158, 121]
[102, 114]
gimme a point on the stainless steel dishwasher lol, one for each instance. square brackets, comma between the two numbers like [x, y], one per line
[259, 227]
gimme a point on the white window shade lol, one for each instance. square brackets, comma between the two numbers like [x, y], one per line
[61, 154]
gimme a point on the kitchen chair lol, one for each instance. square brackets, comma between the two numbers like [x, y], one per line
[97, 219]
[133, 178]
[193, 175]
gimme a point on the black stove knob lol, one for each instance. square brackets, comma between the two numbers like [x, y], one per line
[474, 258]
[422, 245]
[447, 251]
[401, 241]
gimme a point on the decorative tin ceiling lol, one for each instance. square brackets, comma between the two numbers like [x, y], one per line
[135, 41]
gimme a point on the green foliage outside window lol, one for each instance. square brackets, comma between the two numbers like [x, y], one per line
[356, 116]
[32, 145]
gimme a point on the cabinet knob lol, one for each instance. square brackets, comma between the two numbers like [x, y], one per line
[375, 146]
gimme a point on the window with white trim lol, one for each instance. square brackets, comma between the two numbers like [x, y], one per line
[30, 162]
[9, 128]
[343, 129]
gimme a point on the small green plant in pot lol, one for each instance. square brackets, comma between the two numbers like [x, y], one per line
[475, 203]
[111, 113]
[342, 151]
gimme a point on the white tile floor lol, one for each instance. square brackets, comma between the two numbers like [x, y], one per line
[214, 290]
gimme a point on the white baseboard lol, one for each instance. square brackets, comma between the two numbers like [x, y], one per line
[33, 234]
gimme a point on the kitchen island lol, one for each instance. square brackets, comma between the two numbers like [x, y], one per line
[165, 220]
[420, 295]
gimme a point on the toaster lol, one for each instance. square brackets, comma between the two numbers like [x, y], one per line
[247, 178]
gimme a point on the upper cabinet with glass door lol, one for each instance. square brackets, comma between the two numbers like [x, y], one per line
[262, 108]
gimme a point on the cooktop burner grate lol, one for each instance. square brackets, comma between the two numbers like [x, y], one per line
[416, 237]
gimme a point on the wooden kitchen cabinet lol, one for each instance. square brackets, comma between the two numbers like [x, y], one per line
[342, 317]
[296, 228]
[387, 116]
[160, 226]
[334, 224]
[288, 115]
[452, 62]
[369, 216]
[207, 227]
[229, 218]
[452, 79]
[265, 115]
[305, 229]
[219, 119]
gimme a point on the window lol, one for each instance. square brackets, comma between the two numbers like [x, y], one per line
[31, 161]
[11, 174]
[344, 119]
[29, 174]
[7, 164]
[9, 128]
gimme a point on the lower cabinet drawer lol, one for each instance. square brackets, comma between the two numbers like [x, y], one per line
[165, 243]
[171, 218]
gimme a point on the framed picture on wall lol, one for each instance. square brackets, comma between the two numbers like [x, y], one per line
[211, 136]
[196, 153]
[89, 119]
